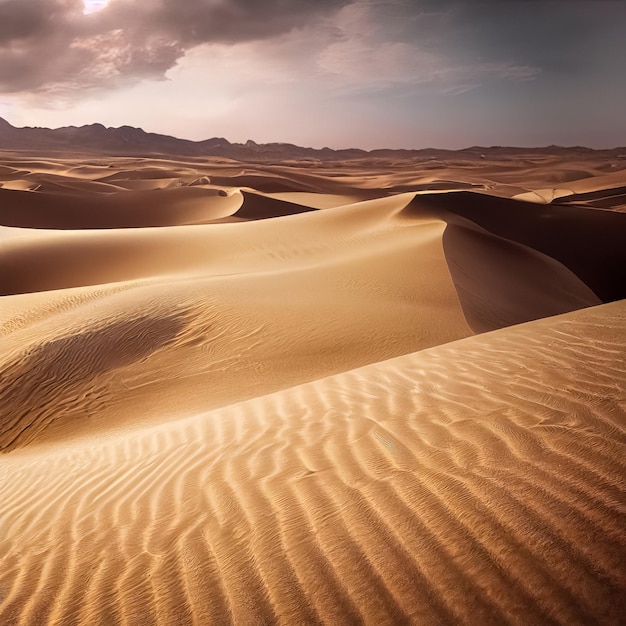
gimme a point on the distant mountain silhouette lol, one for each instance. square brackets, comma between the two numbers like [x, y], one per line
[131, 141]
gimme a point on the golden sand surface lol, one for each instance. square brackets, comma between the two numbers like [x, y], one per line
[339, 393]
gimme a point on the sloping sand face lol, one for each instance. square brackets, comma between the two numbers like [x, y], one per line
[254, 394]
[477, 482]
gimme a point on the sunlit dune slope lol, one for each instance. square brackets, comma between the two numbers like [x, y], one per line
[477, 482]
[220, 313]
[604, 191]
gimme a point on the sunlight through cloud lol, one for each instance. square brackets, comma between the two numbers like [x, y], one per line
[93, 6]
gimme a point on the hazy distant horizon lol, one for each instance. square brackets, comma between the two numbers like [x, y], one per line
[321, 147]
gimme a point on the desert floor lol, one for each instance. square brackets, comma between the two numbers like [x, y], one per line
[300, 393]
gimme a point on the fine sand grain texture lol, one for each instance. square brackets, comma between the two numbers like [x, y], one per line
[479, 482]
[360, 392]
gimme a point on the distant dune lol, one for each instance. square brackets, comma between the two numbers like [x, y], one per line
[383, 390]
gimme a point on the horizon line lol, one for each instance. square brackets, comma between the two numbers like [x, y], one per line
[288, 143]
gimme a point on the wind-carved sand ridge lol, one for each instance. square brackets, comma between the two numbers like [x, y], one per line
[252, 394]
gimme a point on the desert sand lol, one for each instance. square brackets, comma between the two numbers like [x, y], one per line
[352, 392]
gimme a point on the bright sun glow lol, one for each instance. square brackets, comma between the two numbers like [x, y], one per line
[92, 6]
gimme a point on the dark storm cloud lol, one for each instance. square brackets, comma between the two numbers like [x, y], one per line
[50, 44]
[20, 20]
[35, 37]
[191, 22]
[557, 33]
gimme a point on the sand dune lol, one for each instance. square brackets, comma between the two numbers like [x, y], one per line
[501, 282]
[606, 191]
[265, 306]
[589, 243]
[260, 207]
[267, 393]
[478, 482]
[130, 209]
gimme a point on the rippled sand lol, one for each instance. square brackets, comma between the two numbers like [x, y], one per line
[267, 394]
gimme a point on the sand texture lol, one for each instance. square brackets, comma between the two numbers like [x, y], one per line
[366, 392]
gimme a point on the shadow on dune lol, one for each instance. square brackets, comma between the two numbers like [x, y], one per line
[503, 283]
[258, 207]
[58, 378]
[588, 242]
[513, 262]
[122, 209]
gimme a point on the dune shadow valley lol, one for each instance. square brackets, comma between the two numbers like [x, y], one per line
[260, 384]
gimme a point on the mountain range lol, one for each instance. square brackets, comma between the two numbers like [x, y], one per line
[131, 141]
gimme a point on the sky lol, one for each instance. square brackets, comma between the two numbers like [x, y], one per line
[338, 73]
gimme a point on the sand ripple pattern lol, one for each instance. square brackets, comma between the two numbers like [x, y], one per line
[48, 381]
[479, 482]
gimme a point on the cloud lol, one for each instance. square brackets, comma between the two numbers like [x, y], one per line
[355, 50]
[371, 51]
[51, 50]
[193, 22]
[51, 46]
